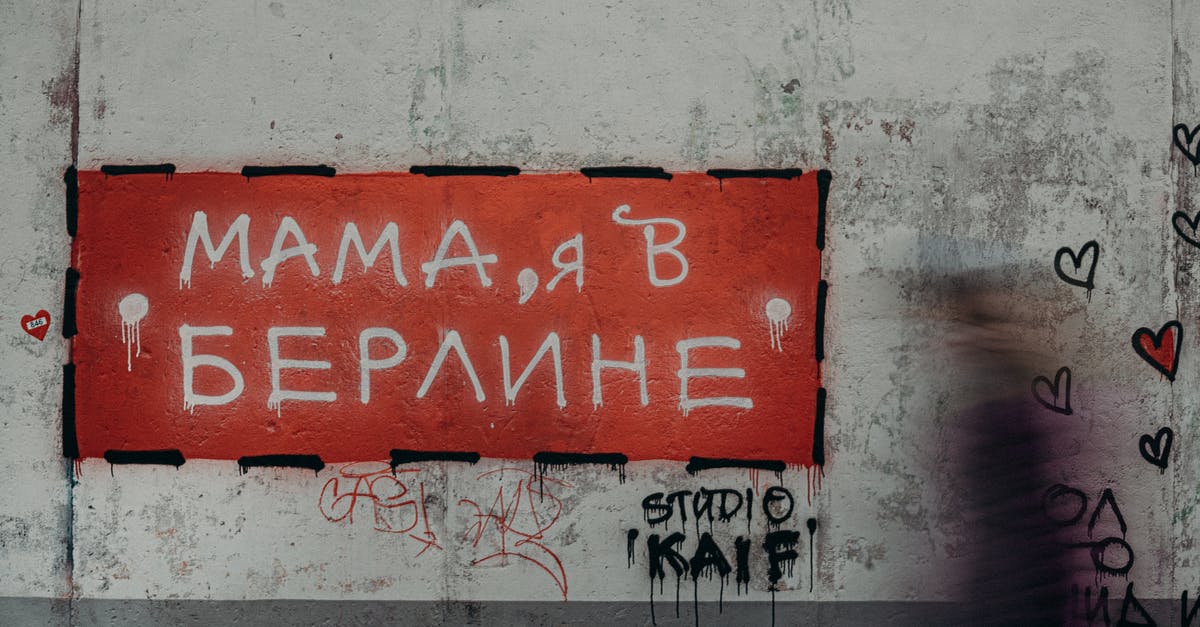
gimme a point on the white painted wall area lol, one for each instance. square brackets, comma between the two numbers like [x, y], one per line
[967, 140]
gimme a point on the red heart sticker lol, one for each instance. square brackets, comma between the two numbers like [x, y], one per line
[1161, 349]
[37, 324]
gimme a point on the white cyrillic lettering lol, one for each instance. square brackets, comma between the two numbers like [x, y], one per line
[191, 361]
[685, 373]
[638, 365]
[452, 340]
[199, 233]
[439, 261]
[366, 363]
[510, 389]
[275, 400]
[653, 250]
[279, 254]
[567, 267]
[390, 237]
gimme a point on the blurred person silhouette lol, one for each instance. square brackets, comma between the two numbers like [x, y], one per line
[1016, 570]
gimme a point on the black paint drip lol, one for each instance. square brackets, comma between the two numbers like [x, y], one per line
[547, 460]
[741, 548]
[677, 580]
[708, 558]
[812, 531]
[630, 539]
[653, 621]
[664, 550]
[749, 508]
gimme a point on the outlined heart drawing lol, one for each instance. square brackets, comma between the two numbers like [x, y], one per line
[1089, 253]
[1059, 399]
[37, 324]
[1186, 227]
[1161, 349]
[1185, 141]
[1157, 449]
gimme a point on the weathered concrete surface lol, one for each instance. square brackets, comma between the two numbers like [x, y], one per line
[36, 105]
[962, 136]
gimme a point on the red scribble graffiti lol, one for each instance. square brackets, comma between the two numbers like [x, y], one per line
[521, 517]
[393, 508]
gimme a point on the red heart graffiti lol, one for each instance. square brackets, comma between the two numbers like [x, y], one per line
[37, 324]
[1161, 349]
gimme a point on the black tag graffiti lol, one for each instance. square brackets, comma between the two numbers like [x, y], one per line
[781, 553]
[1186, 226]
[1188, 615]
[1132, 606]
[664, 550]
[1065, 506]
[1183, 141]
[664, 555]
[1059, 400]
[1102, 552]
[1054, 504]
[709, 557]
[1099, 608]
[1089, 250]
[1107, 499]
[1157, 449]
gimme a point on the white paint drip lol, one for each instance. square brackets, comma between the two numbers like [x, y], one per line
[527, 280]
[132, 309]
[778, 313]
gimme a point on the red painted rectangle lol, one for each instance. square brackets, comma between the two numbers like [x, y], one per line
[750, 246]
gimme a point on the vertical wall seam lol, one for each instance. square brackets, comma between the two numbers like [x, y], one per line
[70, 443]
[1175, 193]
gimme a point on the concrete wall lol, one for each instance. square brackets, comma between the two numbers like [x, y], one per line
[962, 137]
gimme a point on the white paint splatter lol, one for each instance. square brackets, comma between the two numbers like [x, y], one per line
[778, 313]
[132, 309]
[527, 280]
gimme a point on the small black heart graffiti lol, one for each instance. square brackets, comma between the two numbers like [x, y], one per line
[1157, 449]
[1060, 390]
[1184, 139]
[1186, 227]
[1090, 249]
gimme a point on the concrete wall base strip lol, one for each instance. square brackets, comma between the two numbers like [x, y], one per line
[87, 612]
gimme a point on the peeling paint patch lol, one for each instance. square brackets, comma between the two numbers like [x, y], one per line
[696, 146]
[62, 92]
[13, 531]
